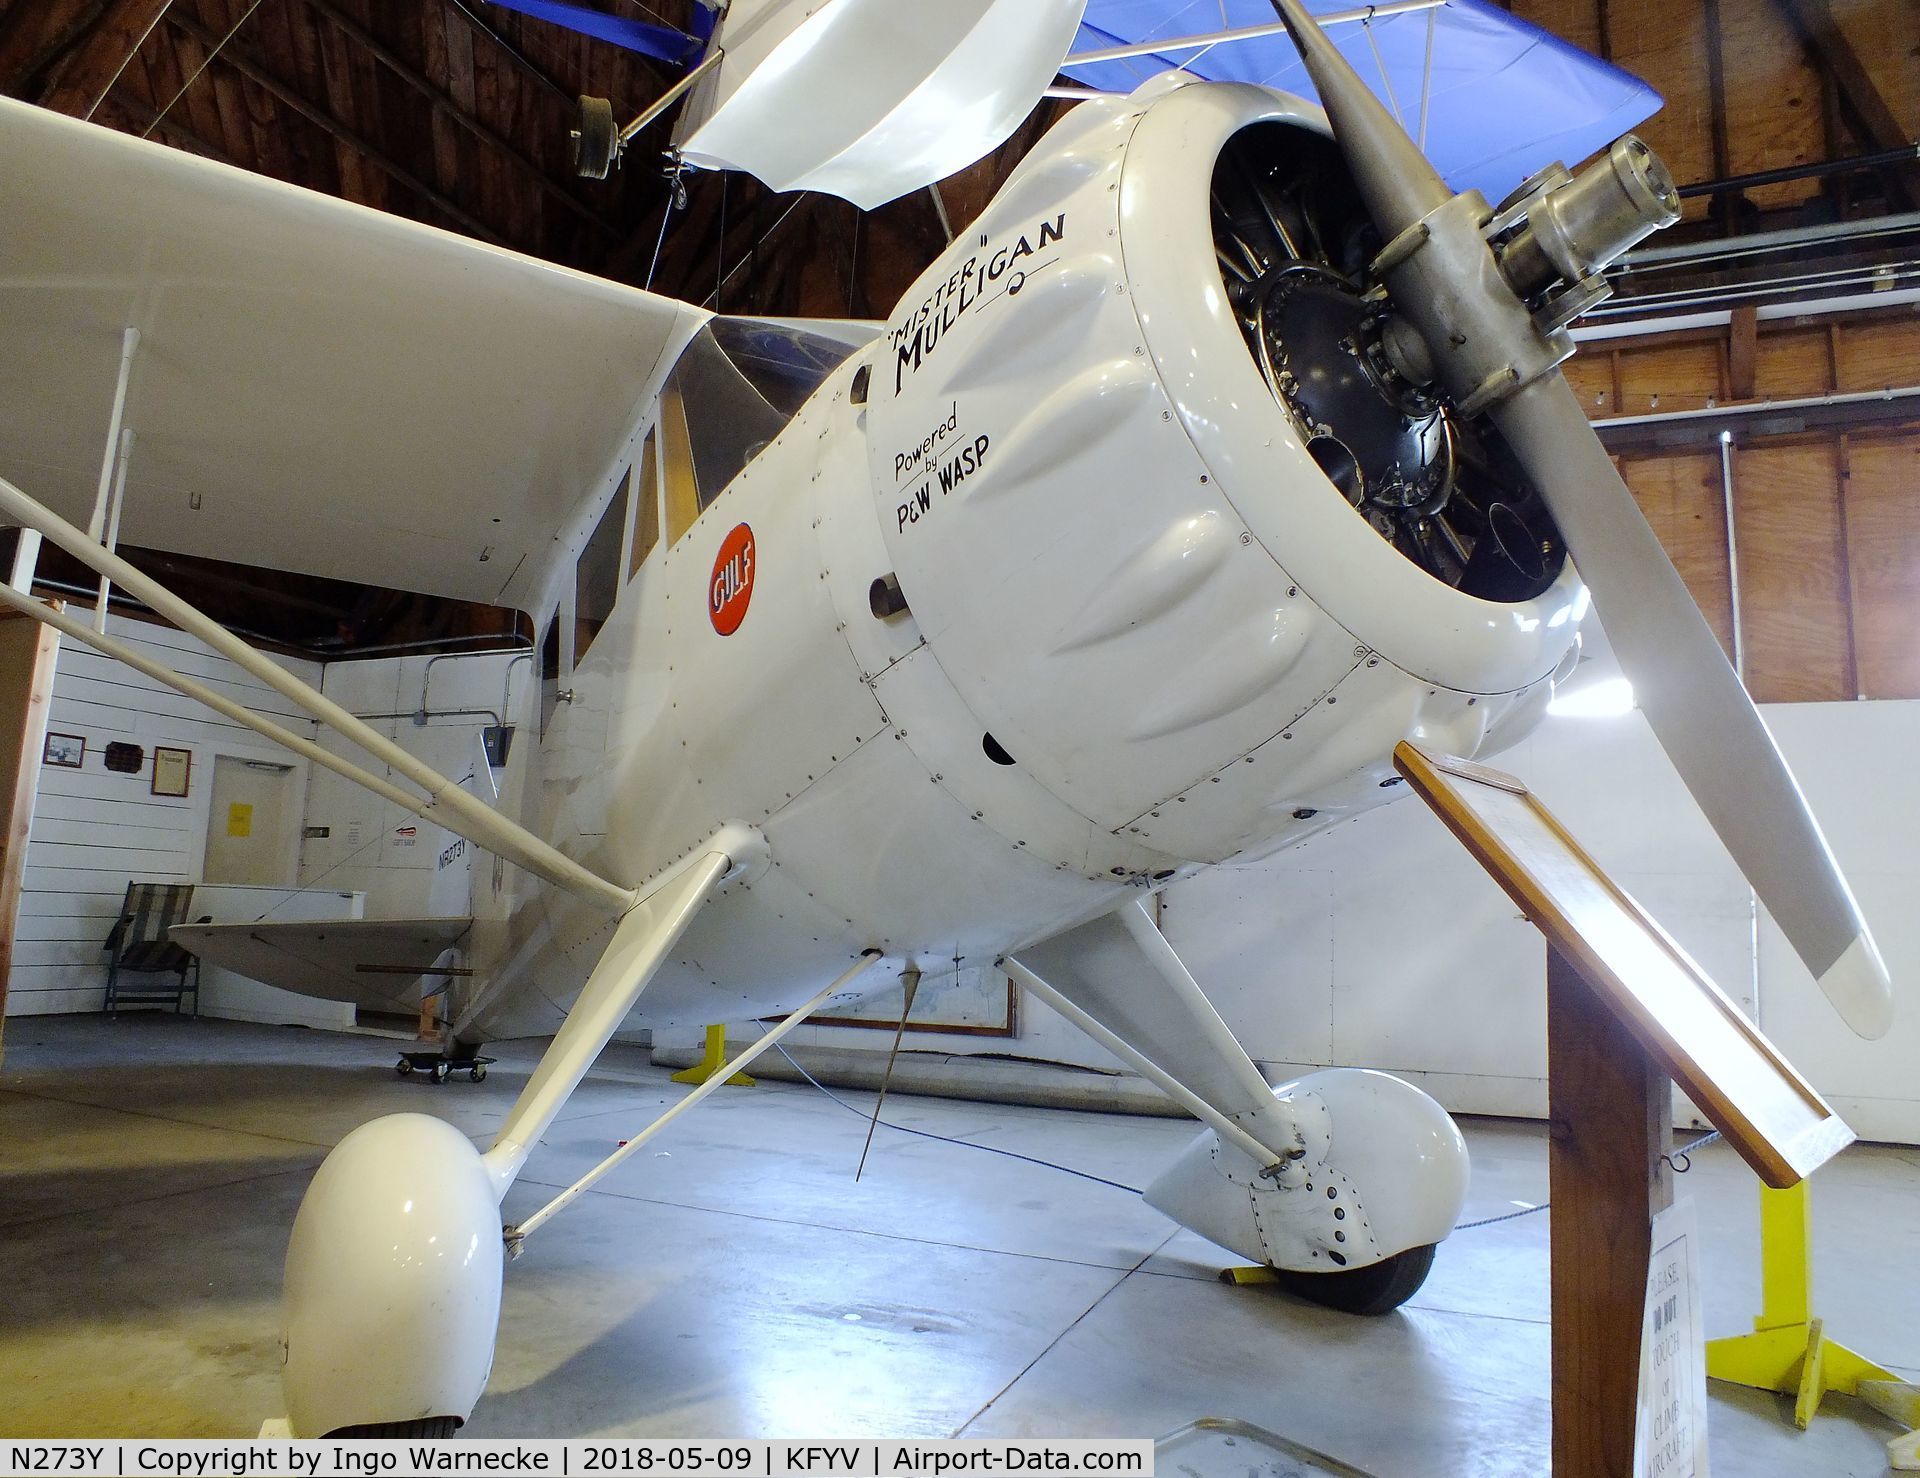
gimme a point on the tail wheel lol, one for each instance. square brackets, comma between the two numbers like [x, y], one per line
[426, 1426]
[1379, 1288]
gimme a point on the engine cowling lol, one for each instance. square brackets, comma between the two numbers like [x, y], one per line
[1127, 535]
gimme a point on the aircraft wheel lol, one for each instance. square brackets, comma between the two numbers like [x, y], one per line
[405, 1066]
[1377, 1289]
[479, 1074]
[426, 1426]
[441, 1072]
[593, 139]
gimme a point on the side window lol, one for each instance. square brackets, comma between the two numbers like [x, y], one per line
[676, 456]
[646, 506]
[596, 579]
[549, 673]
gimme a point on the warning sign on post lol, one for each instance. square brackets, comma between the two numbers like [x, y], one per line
[1670, 1437]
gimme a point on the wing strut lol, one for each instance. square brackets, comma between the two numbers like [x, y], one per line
[506, 1157]
[445, 803]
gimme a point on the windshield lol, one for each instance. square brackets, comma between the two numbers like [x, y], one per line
[741, 380]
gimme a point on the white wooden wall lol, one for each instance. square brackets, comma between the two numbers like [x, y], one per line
[371, 845]
[94, 831]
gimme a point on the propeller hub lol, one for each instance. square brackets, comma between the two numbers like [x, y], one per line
[1581, 223]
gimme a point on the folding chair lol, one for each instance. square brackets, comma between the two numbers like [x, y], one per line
[140, 945]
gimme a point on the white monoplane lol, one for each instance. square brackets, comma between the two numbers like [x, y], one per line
[1226, 449]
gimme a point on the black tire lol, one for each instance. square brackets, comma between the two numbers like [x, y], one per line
[1377, 1289]
[594, 138]
[426, 1426]
[441, 1072]
[405, 1067]
[479, 1074]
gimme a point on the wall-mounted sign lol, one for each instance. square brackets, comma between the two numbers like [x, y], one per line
[240, 819]
[172, 771]
[125, 759]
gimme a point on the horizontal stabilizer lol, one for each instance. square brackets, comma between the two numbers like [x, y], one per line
[383, 964]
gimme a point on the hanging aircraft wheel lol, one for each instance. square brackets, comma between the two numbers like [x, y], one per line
[1377, 1289]
[594, 138]
[479, 1075]
[404, 1067]
[441, 1072]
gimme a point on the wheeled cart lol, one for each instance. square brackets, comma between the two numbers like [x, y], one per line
[440, 1068]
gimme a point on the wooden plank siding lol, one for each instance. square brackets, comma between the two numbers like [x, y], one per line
[1827, 519]
[1772, 86]
[95, 830]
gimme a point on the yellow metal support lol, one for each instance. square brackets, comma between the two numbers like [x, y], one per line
[1788, 1350]
[712, 1059]
[1242, 1277]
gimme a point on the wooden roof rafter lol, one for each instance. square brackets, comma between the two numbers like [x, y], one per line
[236, 56]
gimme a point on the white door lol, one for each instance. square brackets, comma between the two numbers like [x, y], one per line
[249, 828]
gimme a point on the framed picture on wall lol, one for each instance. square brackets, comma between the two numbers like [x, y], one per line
[172, 769]
[66, 750]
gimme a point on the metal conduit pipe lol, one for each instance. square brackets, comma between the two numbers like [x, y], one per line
[421, 715]
[1748, 408]
[1740, 670]
[1733, 553]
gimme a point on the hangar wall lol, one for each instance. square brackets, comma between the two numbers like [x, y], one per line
[1826, 526]
[94, 829]
[371, 845]
[1743, 91]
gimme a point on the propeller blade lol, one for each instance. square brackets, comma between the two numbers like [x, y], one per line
[1488, 353]
[1696, 705]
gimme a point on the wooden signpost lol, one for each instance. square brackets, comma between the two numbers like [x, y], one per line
[1627, 1011]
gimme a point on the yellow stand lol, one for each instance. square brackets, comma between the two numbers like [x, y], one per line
[1789, 1350]
[711, 1061]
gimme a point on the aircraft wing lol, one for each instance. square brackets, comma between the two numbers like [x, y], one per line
[318, 387]
[376, 963]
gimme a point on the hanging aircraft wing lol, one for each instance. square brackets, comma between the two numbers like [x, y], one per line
[318, 387]
[378, 963]
[1507, 98]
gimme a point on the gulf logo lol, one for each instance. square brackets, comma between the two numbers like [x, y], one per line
[731, 588]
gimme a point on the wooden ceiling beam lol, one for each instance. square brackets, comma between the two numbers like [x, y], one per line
[1878, 125]
[445, 106]
[83, 77]
[179, 135]
[513, 53]
[35, 34]
[246, 66]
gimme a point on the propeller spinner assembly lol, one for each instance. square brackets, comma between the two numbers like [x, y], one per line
[1479, 301]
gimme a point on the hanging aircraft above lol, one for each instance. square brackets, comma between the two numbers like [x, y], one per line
[869, 99]
[1223, 451]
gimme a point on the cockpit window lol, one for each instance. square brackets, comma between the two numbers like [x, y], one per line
[786, 364]
[740, 381]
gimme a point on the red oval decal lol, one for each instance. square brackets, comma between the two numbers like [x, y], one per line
[732, 585]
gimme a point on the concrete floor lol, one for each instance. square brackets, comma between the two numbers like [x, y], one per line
[735, 1280]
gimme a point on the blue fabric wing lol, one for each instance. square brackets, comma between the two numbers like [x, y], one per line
[1507, 98]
